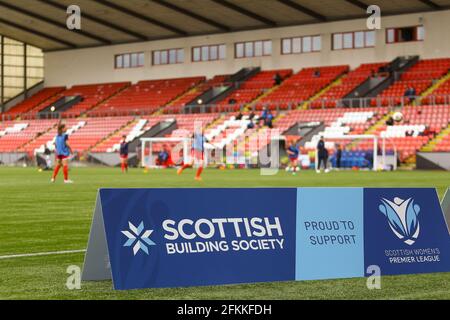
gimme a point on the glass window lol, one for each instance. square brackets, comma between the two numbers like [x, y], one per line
[306, 43]
[209, 53]
[222, 52]
[286, 46]
[370, 39]
[172, 56]
[359, 39]
[317, 43]
[119, 61]
[239, 50]
[249, 49]
[213, 53]
[205, 53]
[420, 33]
[141, 59]
[297, 45]
[258, 49]
[267, 50]
[390, 36]
[337, 41]
[180, 55]
[134, 60]
[348, 40]
[156, 57]
[164, 57]
[126, 60]
[196, 54]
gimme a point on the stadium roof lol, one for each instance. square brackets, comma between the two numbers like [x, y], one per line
[42, 23]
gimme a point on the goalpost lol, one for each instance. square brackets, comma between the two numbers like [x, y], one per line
[379, 161]
[148, 143]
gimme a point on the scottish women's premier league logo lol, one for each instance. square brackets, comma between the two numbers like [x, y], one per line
[402, 217]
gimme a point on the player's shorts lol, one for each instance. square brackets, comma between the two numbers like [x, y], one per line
[197, 154]
[293, 159]
[61, 157]
[124, 156]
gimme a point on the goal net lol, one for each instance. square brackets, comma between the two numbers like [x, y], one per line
[365, 150]
[178, 149]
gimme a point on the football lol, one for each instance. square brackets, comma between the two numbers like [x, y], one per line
[398, 116]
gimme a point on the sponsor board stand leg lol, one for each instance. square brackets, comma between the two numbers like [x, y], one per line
[445, 204]
[96, 261]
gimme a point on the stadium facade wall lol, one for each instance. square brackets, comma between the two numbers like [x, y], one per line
[96, 65]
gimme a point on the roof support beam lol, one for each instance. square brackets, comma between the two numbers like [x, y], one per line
[98, 20]
[38, 33]
[58, 24]
[358, 4]
[246, 12]
[304, 10]
[193, 15]
[142, 17]
[431, 4]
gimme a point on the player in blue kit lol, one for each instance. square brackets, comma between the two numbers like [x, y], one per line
[124, 154]
[293, 153]
[62, 152]
[197, 153]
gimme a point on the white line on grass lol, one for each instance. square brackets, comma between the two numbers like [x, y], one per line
[12, 256]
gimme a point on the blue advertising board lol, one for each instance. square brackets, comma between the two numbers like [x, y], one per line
[152, 238]
[405, 231]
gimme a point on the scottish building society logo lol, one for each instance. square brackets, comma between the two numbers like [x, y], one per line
[138, 239]
[402, 217]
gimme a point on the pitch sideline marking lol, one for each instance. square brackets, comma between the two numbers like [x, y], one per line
[12, 256]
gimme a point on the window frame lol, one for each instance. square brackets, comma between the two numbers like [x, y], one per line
[253, 45]
[396, 29]
[353, 33]
[167, 52]
[129, 55]
[300, 38]
[210, 48]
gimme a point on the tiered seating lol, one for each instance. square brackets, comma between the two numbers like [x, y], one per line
[420, 77]
[187, 122]
[132, 131]
[394, 95]
[300, 87]
[177, 105]
[227, 130]
[34, 101]
[146, 97]
[428, 69]
[328, 117]
[439, 96]
[92, 95]
[351, 122]
[444, 144]
[252, 89]
[185, 125]
[94, 131]
[12, 141]
[353, 79]
[48, 137]
[422, 123]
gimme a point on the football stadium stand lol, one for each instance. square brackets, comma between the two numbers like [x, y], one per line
[105, 112]
[300, 87]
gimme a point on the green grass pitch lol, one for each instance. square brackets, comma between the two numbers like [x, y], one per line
[37, 216]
